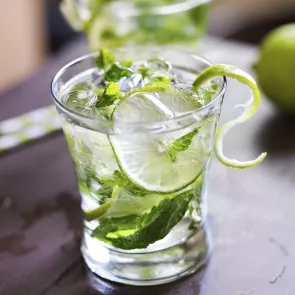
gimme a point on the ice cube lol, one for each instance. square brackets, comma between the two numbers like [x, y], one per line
[97, 80]
[142, 107]
[177, 76]
[128, 84]
[81, 100]
[138, 65]
[180, 101]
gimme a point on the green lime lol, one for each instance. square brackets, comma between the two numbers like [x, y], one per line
[250, 109]
[146, 158]
[275, 68]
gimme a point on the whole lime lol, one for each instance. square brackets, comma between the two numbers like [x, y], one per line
[275, 68]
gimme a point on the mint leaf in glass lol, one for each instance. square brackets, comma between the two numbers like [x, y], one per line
[126, 63]
[110, 94]
[108, 226]
[148, 228]
[116, 72]
[123, 181]
[105, 59]
[181, 144]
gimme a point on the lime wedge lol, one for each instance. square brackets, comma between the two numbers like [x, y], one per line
[250, 109]
[145, 158]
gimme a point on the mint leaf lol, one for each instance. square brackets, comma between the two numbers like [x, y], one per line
[122, 180]
[110, 94]
[116, 72]
[107, 226]
[181, 144]
[105, 59]
[126, 63]
[151, 227]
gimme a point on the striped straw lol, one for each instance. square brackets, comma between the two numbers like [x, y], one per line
[28, 127]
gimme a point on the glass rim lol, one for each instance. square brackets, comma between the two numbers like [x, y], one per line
[184, 116]
[166, 9]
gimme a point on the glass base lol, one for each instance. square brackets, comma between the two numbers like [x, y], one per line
[152, 266]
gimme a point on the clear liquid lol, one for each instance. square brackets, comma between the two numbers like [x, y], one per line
[136, 197]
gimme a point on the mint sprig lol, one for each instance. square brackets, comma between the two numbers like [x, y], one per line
[111, 225]
[110, 94]
[116, 71]
[148, 228]
[105, 59]
[181, 144]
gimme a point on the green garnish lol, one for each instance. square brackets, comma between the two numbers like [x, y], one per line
[251, 107]
[116, 72]
[98, 212]
[123, 181]
[181, 144]
[102, 209]
[151, 227]
[105, 59]
[110, 94]
[126, 63]
[111, 225]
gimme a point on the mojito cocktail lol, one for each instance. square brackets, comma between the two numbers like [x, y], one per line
[140, 130]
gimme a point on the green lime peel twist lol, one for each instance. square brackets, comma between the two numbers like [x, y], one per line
[251, 106]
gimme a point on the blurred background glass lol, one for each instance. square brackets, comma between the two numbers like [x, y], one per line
[119, 23]
[33, 30]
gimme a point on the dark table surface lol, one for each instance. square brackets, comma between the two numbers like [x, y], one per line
[251, 212]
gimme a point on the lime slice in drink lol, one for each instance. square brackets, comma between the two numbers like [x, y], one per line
[164, 162]
[250, 109]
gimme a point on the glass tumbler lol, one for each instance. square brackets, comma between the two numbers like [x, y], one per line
[145, 211]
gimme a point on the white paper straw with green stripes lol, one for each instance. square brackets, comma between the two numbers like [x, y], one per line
[28, 127]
